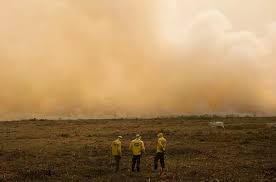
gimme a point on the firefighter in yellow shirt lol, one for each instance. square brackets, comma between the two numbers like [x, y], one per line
[137, 148]
[160, 151]
[116, 149]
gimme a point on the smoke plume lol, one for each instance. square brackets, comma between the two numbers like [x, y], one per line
[65, 58]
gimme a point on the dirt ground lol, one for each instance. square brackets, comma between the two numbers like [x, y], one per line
[79, 150]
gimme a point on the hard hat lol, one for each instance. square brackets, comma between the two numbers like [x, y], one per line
[138, 136]
[120, 137]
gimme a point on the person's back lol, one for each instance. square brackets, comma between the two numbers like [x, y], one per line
[116, 147]
[161, 144]
[116, 151]
[160, 151]
[137, 148]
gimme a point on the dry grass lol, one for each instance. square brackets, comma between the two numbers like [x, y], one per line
[41, 150]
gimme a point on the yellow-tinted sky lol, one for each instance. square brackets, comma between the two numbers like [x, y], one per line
[106, 58]
[246, 14]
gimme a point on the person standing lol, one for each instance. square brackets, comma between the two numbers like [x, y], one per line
[137, 148]
[116, 149]
[160, 151]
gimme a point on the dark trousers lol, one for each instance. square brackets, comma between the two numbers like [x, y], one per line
[136, 161]
[116, 164]
[159, 156]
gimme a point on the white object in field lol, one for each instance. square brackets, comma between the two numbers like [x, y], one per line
[216, 124]
[271, 125]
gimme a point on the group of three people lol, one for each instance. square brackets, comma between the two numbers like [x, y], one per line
[137, 149]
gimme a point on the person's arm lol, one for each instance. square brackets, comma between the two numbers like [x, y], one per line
[120, 149]
[143, 147]
[161, 144]
[164, 145]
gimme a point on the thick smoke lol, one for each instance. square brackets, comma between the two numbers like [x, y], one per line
[104, 58]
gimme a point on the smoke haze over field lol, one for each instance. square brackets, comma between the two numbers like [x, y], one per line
[124, 58]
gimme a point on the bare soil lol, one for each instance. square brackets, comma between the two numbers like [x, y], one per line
[79, 150]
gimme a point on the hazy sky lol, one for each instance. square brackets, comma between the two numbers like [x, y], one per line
[126, 58]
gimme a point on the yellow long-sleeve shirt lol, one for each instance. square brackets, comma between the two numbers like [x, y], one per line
[116, 147]
[161, 145]
[137, 146]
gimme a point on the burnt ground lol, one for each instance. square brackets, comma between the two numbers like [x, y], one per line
[79, 150]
